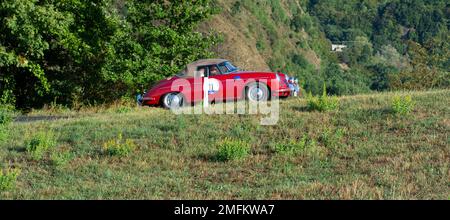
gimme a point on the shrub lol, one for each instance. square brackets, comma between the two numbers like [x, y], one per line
[5, 116]
[232, 150]
[322, 103]
[305, 147]
[402, 105]
[8, 178]
[119, 147]
[40, 144]
[236, 8]
[291, 148]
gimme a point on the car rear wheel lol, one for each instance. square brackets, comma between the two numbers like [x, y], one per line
[173, 100]
[257, 92]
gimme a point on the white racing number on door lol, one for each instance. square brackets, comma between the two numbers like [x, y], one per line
[213, 86]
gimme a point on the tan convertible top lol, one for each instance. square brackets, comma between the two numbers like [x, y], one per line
[190, 69]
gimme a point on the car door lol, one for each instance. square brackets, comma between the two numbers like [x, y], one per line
[215, 83]
[214, 86]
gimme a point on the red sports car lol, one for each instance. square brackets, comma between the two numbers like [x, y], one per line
[222, 81]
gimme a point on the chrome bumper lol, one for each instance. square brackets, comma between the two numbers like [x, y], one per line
[139, 99]
[295, 89]
[292, 83]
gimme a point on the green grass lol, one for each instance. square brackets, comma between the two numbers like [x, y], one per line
[232, 150]
[362, 151]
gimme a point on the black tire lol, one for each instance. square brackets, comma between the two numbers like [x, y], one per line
[257, 92]
[167, 101]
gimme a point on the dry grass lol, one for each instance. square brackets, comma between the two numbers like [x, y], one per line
[380, 156]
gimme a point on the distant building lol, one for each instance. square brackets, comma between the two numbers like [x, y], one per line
[338, 47]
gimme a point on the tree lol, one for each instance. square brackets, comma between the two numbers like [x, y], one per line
[359, 51]
[94, 50]
[423, 74]
[163, 41]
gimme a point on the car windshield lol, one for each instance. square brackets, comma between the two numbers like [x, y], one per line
[230, 67]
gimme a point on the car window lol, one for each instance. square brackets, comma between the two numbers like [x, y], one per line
[231, 67]
[213, 70]
[202, 71]
[223, 68]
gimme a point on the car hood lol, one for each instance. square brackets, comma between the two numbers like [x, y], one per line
[163, 83]
[259, 73]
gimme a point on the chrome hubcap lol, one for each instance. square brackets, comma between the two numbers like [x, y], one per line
[173, 100]
[256, 94]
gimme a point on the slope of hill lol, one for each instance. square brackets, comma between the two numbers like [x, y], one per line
[362, 151]
[389, 45]
[270, 35]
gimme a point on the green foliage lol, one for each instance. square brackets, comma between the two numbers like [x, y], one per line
[402, 105]
[302, 22]
[45, 47]
[380, 76]
[293, 147]
[236, 8]
[322, 103]
[40, 144]
[119, 147]
[5, 119]
[5, 116]
[359, 51]
[422, 75]
[3, 133]
[332, 138]
[60, 159]
[8, 178]
[232, 150]
[345, 82]
[383, 35]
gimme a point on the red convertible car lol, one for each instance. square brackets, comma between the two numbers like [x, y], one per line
[223, 81]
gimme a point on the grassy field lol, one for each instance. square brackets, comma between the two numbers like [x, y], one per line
[362, 151]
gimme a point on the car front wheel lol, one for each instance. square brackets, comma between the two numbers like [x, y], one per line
[173, 100]
[257, 92]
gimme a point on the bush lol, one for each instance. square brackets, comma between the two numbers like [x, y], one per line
[232, 150]
[292, 148]
[40, 144]
[402, 105]
[322, 103]
[119, 147]
[5, 116]
[8, 178]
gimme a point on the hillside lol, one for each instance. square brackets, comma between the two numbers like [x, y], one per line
[264, 35]
[389, 45]
[362, 151]
[256, 34]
